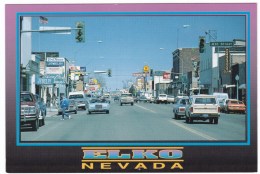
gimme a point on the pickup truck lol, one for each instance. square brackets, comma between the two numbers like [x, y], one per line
[29, 110]
[202, 107]
[126, 98]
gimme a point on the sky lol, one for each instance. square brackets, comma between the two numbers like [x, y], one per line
[130, 42]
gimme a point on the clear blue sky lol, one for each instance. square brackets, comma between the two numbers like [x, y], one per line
[130, 42]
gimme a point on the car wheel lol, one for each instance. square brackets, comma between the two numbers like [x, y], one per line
[35, 125]
[228, 111]
[190, 120]
[85, 108]
[107, 112]
[132, 104]
[187, 119]
[76, 112]
[211, 120]
[121, 104]
[215, 120]
[89, 112]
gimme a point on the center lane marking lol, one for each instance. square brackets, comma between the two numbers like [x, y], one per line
[145, 108]
[193, 131]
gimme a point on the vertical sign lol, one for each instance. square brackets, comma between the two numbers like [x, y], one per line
[227, 60]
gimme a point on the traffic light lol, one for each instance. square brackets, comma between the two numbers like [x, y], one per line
[80, 32]
[202, 44]
[109, 73]
[151, 72]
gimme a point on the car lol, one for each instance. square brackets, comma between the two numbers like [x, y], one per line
[179, 107]
[126, 98]
[234, 105]
[98, 105]
[30, 110]
[43, 109]
[202, 107]
[73, 107]
[162, 98]
[142, 99]
[116, 98]
[80, 99]
[170, 99]
[151, 99]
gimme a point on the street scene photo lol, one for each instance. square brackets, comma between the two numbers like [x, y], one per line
[133, 78]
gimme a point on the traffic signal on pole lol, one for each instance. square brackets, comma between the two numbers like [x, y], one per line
[151, 72]
[202, 44]
[80, 32]
[109, 73]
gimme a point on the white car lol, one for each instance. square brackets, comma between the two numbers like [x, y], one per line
[162, 98]
[98, 105]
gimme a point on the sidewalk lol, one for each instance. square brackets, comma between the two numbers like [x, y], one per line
[52, 111]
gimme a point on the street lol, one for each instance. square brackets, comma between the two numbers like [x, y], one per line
[141, 122]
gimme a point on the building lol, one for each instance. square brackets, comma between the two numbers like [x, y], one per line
[215, 64]
[184, 61]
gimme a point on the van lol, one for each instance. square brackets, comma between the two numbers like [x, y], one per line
[221, 98]
[80, 98]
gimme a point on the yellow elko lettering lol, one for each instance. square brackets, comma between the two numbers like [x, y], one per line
[177, 165]
[140, 165]
[85, 165]
[105, 166]
[158, 165]
[123, 166]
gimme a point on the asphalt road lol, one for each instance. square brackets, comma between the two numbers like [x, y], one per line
[141, 122]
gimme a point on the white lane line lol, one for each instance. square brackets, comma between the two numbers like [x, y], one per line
[193, 131]
[145, 108]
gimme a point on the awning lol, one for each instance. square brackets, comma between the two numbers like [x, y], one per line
[243, 86]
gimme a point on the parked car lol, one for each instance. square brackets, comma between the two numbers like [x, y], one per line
[29, 110]
[73, 107]
[80, 99]
[170, 99]
[126, 98]
[43, 109]
[98, 105]
[233, 105]
[202, 107]
[179, 107]
[162, 98]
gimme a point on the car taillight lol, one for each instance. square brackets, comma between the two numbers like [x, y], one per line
[191, 109]
[181, 109]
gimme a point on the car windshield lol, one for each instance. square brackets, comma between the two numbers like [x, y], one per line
[205, 101]
[98, 101]
[26, 98]
[75, 96]
[126, 95]
[235, 102]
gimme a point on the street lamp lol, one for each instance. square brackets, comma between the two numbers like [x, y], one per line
[183, 26]
[237, 79]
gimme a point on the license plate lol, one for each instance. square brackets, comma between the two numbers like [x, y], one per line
[98, 106]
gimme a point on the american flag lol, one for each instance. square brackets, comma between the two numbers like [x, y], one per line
[43, 20]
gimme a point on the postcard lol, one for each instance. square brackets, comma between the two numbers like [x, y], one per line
[131, 88]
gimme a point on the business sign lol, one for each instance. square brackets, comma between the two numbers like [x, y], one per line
[55, 64]
[227, 60]
[138, 74]
[222, 44]
[166, 75]
[83, 69]
[146, 68]
[54, 70]
[45, 81]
